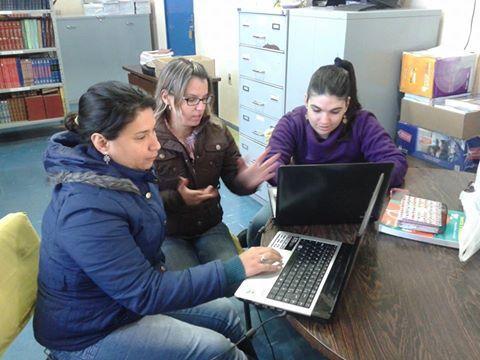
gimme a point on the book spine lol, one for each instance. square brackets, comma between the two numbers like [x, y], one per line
[19, 72]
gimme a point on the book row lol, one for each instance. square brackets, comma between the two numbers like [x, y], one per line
[22, 34]
[34, 106]
[19, 72]
[24, 4]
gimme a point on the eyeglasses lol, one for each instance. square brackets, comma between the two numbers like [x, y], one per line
[192, 101]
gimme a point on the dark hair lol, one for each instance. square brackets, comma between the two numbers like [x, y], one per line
[106, 108]
[174, 79]
[338, 80]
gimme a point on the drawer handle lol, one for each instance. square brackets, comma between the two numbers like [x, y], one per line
[274, 98]
[100, 18]
[71, 27]
[129, 23]
[258, 103]
[246, 25]
[246, 118]
[246, 58]
[258, 71]
[259, 37]
[244, 146]
[258, 133]
[275, 26]
[245, 88]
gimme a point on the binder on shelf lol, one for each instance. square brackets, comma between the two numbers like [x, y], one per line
[53, 105]
[35, 107]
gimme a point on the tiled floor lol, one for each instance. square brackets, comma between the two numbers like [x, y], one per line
[23, 187]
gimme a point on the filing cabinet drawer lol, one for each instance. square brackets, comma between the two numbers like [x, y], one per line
[262, 99]
[250, 151]
[264, 31]
[263, 65]
[254, 125]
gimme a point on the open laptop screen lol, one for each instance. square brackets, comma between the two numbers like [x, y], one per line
[328, 193]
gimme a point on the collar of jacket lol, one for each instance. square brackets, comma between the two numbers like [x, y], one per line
[169, 141]
[94, 179]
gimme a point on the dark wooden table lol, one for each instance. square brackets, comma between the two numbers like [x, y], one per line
[149, 83]
[405, 299]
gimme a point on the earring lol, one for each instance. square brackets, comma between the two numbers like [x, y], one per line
[344, 120]
[106, 158]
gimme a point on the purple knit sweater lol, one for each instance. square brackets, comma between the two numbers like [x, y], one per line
[368, 141]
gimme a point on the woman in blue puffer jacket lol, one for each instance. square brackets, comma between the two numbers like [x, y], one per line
[103, 290]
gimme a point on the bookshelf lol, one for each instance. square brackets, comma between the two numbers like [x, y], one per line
[31, 71]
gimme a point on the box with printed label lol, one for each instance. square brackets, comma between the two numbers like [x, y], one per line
[440, 149]
[437, 72]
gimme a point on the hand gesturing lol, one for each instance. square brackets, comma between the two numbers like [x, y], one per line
[195, 197]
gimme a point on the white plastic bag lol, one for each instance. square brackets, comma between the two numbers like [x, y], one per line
[469, 240]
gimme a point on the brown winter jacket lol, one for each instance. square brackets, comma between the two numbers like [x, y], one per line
[216, 157]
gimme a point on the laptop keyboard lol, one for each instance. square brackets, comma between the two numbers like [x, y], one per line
[301, 277]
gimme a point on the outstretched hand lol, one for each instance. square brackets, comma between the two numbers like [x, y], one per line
[195, 197]
[261, 170]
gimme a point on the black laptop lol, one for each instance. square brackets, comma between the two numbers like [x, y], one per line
[316, 270]
[327, 193]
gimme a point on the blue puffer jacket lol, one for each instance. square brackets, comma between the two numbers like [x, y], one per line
[101, 238]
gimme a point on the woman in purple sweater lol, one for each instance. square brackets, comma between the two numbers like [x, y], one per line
[330, 127]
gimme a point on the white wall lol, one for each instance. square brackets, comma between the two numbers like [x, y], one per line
[69, 7]
[457, 15]
[159, 33]
[216, 36]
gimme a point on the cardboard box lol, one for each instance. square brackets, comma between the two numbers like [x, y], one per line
[462, 125]
[437, 72]
[142, 6]
[207, 62]
[440, 149]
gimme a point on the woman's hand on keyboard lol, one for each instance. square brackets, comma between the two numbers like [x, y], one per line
[257, 260]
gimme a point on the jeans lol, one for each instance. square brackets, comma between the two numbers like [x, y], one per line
[201, 332]
[183, 253]
[259, 220]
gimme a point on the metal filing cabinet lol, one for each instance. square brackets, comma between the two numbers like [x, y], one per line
[262, 70]
[280, 50]
[94, 49]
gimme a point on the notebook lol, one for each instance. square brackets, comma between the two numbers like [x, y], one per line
[327, 193]
[314, 274]
[422, 214]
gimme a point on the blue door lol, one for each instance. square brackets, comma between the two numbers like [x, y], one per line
[180, 26]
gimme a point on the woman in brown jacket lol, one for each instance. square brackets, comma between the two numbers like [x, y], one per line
[195, 153]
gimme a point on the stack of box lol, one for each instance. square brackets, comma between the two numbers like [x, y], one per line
[108, 7]
[142, 6]
[428, 128]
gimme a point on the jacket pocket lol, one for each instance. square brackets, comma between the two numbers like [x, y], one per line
[209, 166]
[169, 166]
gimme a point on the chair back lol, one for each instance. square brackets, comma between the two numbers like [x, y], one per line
[19, 252]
